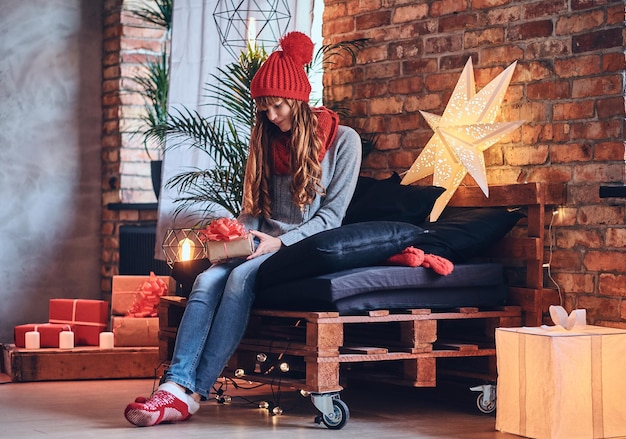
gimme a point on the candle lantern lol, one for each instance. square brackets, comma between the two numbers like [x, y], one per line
[185, 253]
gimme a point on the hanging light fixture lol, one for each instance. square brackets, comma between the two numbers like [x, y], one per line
[246, 23]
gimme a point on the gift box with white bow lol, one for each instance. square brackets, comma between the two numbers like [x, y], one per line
[563, 381]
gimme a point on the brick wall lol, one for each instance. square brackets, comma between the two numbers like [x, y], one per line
[568, 86]
[128, 42]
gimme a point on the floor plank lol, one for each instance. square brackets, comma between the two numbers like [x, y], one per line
[94, 409]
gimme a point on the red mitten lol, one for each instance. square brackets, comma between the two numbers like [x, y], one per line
[409, 257]
[439, 264]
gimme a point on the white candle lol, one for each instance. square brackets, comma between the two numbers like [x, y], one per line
[106, 340]
[32, 340]
[66, 340]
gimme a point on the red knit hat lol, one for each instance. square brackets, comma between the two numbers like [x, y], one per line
[282, 75]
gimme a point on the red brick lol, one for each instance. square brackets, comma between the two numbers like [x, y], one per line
[600, 130]
[540, 9]
[598, 308]
[576, 237]
[439, 8]
[570, 260]
[530, 30]
[373, 19]
[597, 40]
[571, 24]
[591, 215]
[456, 22]
[575, 282]
[551, 89]
[526, 155]
[578, 66]
[482, 37]
[605, 261]
[488, 4]
[574, 110]
[443, 44]
[616, 237]
[410, 12]
[609, 151]
[612, 285]
[610, 107]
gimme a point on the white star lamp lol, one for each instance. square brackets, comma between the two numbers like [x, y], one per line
[461, 135]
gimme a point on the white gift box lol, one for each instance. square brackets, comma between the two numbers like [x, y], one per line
[561, 384]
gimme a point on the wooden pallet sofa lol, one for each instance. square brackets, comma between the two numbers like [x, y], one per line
[306, 332]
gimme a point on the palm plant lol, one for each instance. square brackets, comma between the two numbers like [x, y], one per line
[153, 79]
[224, 137]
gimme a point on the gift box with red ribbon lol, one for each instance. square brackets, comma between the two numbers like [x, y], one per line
[88, 318]
[48, 333]
[138, 296]
[226, 239]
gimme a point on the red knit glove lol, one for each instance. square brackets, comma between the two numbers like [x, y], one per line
[414, 257]
[409, 257]
[440, 265]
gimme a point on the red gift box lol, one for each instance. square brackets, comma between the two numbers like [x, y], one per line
[87, 317]
[48, 333]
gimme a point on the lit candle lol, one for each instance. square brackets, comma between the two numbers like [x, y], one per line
[251, 31]
[32, 340]
[106, 340]
[66, 340]
[184, 253]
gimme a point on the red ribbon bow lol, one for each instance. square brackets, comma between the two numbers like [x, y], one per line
[223, 229]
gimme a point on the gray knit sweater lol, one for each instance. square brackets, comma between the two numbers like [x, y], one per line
[340, 169]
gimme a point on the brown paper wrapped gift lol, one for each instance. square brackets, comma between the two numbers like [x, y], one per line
[125, 289]
[135, 331]
[223, 250]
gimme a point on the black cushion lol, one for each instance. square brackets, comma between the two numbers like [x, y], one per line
[462, 233]
[350, 246]
[385, 287]
[388, 200]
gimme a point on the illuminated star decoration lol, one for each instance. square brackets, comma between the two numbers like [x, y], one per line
[464, 131]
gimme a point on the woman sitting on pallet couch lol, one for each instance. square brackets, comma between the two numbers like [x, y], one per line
[300, 176]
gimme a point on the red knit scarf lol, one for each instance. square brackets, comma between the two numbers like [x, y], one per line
[327, 124]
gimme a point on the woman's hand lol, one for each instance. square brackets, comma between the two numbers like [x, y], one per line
[267, 244]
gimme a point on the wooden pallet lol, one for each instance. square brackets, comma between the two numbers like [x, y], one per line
[80, 363]
[316, 344]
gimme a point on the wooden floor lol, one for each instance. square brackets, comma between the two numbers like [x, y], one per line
[94, 409]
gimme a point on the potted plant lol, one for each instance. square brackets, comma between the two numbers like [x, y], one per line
[153, 85]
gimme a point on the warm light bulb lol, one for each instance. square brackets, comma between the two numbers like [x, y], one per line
[252, 31]
[284, 367]
[239, 373]
[305, 393]
[277, 410]
[184, 249]
[264, 405]
[261, 358]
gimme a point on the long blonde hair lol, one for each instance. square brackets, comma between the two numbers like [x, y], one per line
[305, 146]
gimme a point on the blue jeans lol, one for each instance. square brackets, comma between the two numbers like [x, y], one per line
[213, 324]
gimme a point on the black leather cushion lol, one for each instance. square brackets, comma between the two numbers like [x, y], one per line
[462, 233]
[388, 200]
[349, 246]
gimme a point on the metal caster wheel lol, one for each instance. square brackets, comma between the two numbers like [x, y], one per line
[485, 405]
[337, 419]
[486, 400]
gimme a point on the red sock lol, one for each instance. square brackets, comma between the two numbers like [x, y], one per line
[163, 406]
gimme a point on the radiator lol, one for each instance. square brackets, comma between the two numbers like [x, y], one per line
[137, 251]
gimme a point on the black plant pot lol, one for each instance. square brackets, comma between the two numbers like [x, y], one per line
[156, 170]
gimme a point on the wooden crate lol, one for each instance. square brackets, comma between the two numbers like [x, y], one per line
[80, 363]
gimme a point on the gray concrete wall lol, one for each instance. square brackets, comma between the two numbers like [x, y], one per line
[50, 174]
